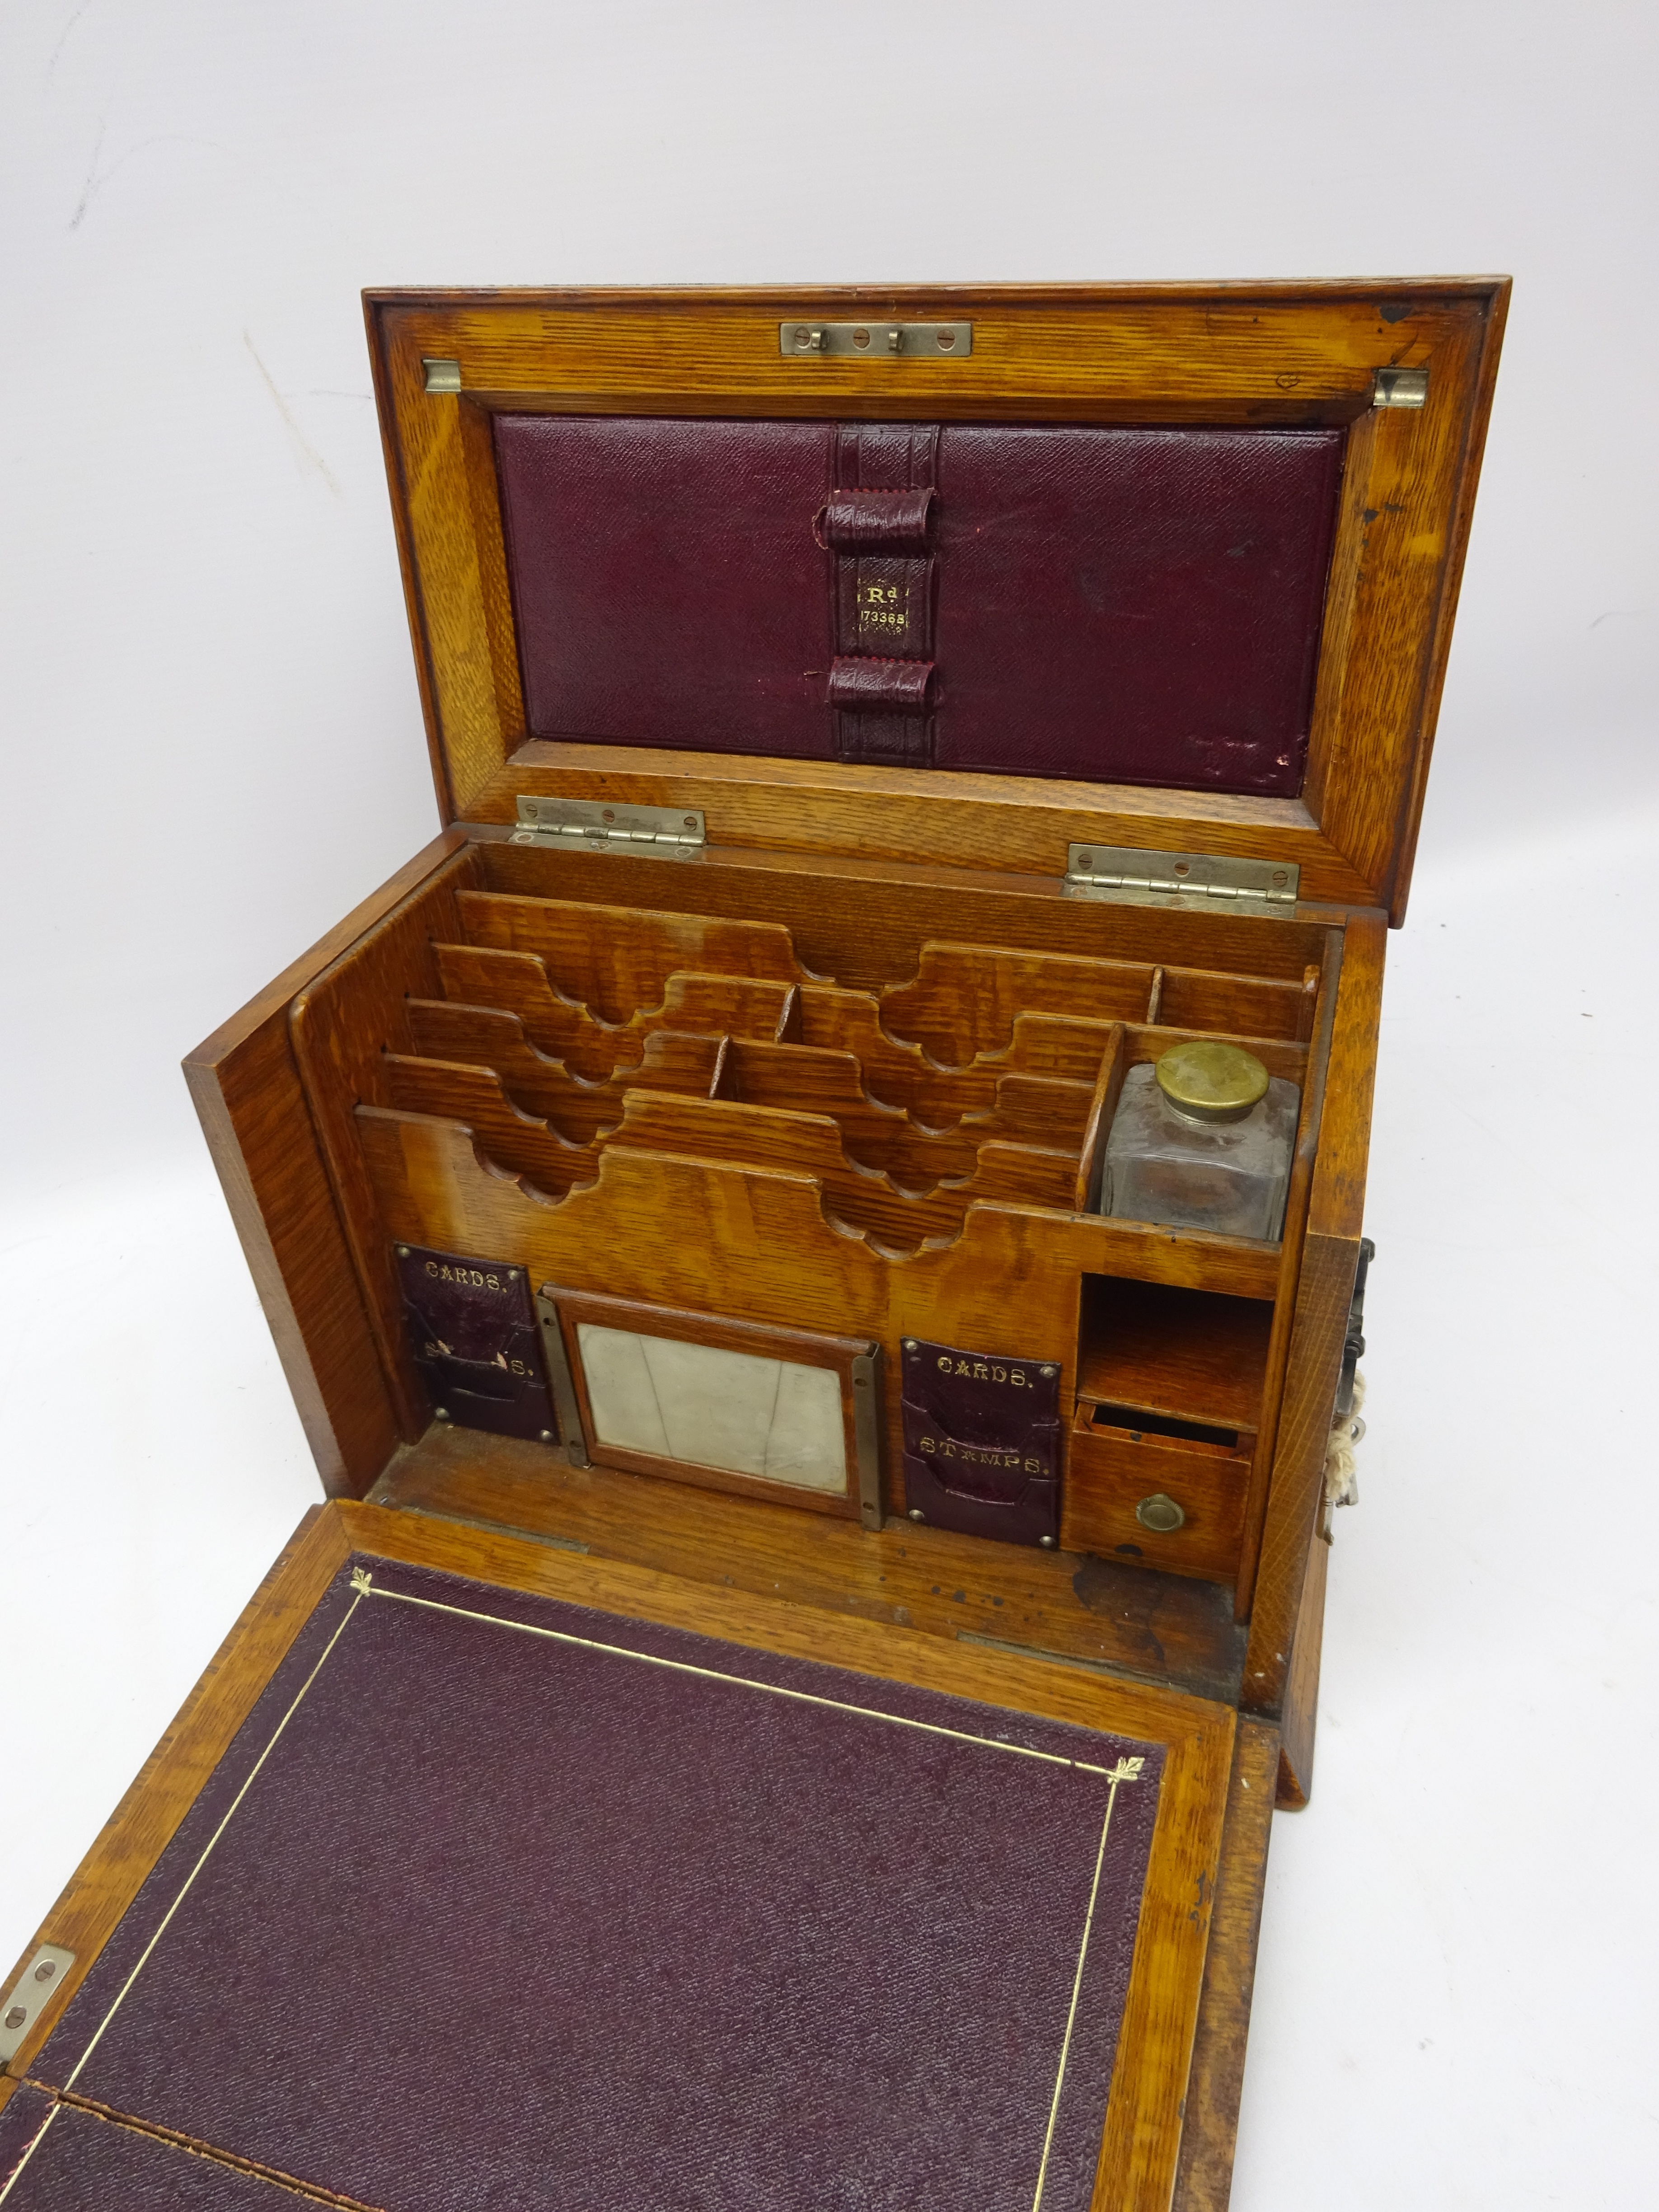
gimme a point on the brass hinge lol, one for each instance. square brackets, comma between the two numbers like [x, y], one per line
[1133, 877]
[670, 833]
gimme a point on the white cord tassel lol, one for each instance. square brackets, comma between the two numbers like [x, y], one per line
[1341, 1475]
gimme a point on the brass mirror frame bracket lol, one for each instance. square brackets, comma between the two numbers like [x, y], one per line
[566, 1404]
[1400, 387]
[867, 1430]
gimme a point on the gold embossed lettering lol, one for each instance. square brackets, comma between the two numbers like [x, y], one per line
[882, 606]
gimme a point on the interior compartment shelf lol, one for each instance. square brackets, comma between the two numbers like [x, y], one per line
[1195, 1355]
[543, 1058]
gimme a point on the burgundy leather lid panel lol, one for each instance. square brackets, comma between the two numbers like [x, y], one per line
[668, 586]
[511, 1918]
[1132, 606]
[1118, 605]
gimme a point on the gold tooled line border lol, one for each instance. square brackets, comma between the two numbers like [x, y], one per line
[362, 1586]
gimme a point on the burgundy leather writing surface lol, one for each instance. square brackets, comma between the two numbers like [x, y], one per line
[78, 2162]
[600, 1918]
[668, 587]
[1115, 605]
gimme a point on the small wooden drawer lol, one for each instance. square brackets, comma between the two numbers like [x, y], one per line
[1112, 1470]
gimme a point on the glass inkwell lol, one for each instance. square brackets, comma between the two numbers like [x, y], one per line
[1202, 1140]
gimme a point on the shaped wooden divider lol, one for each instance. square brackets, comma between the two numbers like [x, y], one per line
[510, 1140]
[483, 1036]
[964, 998]
[900, 1074]
[518, 984]
[616, 960]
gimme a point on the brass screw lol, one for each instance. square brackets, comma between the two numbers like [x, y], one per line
[17, 2016]
[45, 1971]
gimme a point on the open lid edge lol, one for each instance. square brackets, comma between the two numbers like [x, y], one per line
[1250, 354]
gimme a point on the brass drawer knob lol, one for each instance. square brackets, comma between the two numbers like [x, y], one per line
[1159, 1514]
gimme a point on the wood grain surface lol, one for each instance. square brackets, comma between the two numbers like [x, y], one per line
[1203, 2178]
[132, 1839]
[1192, 1354]
[517, 986]
[1127, 354]
[861, 921]
[1330, 1256]
[954, 818]
[1148, 1626]
[1301, 1719]
[753, 1241]
[1110, 1469]
[247, 1087]
[341, 1026]
[1304, 1421]
[840, 1217]
[1309, 1132]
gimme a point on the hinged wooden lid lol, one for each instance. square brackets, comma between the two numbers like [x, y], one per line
[1402, 371]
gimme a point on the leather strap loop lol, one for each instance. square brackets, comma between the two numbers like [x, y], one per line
[869, 686]
[874, 524]
[859, 521]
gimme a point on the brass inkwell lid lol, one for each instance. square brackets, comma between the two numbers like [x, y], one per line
[1209, 1082]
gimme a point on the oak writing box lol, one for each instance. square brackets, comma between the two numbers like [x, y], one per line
[785, 1699]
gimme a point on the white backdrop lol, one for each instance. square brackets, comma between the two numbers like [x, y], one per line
[213, 749]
